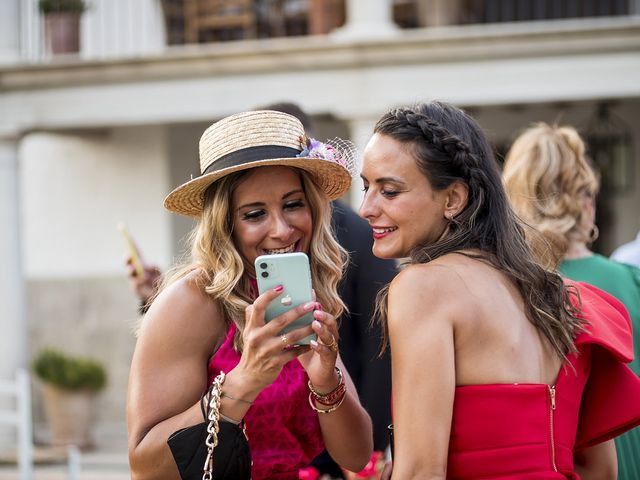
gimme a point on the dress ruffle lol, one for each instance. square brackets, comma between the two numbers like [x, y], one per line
[611, 398]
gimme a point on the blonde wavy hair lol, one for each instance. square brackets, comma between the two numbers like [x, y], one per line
[222, 270]
[548, 178]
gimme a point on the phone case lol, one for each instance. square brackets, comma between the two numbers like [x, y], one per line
[291, 270]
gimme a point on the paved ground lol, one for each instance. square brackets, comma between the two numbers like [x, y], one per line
[58, 473]
[98, 465]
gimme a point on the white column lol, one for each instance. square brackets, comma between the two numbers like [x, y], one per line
[368, 19]
[13, 323]
[9, 32]
[361, 130]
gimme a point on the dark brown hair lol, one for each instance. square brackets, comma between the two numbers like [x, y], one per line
[448, 145]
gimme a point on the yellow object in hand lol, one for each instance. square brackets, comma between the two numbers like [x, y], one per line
[133, 251]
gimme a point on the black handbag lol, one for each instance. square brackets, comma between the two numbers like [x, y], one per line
[223, 444]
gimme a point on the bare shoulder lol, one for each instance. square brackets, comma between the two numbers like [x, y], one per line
[183, 315]
[178, 334]
[431, 283]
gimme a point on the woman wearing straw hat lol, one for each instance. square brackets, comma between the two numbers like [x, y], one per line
[265, 188]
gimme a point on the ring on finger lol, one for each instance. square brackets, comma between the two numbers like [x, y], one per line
[333, 345]
[284, 339]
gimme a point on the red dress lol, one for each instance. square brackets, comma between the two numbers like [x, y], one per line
[529, 431]
[283, 431]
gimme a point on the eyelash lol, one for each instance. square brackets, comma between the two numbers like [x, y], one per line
[255, 215]
[294, 204]
[385, 193]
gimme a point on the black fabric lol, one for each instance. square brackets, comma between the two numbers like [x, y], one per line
[231, 457]
[251, 154]
[359, 341]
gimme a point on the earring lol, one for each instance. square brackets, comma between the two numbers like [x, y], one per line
[594, 234]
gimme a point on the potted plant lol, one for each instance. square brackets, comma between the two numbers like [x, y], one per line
[62, 24]
[70, 386]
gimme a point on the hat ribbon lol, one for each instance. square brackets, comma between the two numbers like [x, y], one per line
[251, 154]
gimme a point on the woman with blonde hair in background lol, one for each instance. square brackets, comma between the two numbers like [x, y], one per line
[553, 188]
[264, 189]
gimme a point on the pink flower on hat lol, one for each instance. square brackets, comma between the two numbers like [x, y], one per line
[316, 149]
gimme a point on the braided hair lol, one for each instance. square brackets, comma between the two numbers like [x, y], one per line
[449, 146]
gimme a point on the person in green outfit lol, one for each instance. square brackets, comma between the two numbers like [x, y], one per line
[552, 188]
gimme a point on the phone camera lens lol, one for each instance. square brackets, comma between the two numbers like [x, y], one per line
[263, 265]
[265, 274]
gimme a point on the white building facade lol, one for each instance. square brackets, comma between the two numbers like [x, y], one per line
[90, 140]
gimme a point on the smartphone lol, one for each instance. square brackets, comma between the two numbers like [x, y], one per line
[133, 251]
[291, 270]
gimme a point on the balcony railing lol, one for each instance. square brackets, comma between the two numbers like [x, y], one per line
[109, 29]
[274, 18]
[125, 28]
[495, 11]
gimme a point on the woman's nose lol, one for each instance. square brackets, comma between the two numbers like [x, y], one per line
[367, 207]
[280, 227]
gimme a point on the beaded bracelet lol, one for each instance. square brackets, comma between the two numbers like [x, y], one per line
[325, 396]
[333, 397]
[330, 409]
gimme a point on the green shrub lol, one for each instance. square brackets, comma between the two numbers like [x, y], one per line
[67, 372]
[54, 6]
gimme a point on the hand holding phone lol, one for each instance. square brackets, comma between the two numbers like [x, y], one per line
[133, 251]
[291, 270]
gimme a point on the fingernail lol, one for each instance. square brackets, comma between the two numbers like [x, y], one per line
[317, 324]
[310, 306]
[313, 343]
[317, 314]
[278, 289]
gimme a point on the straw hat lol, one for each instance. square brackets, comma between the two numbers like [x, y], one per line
[262, 138]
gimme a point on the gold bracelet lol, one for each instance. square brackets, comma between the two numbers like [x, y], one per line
[330, 409]
[236, 398]
[324, 395]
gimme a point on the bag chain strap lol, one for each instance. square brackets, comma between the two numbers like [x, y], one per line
[213, 427]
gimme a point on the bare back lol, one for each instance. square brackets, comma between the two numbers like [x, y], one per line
[495, 342]
[453, 321]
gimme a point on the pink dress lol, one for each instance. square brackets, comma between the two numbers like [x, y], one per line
[284, 432]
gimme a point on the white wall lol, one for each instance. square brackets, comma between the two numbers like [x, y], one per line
[75, 188]
[9, 31]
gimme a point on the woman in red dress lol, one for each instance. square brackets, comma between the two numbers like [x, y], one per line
[500, 370]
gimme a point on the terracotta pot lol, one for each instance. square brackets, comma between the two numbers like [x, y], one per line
[70, 415]
[62, 32]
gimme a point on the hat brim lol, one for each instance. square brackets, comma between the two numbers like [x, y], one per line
[188, 198]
